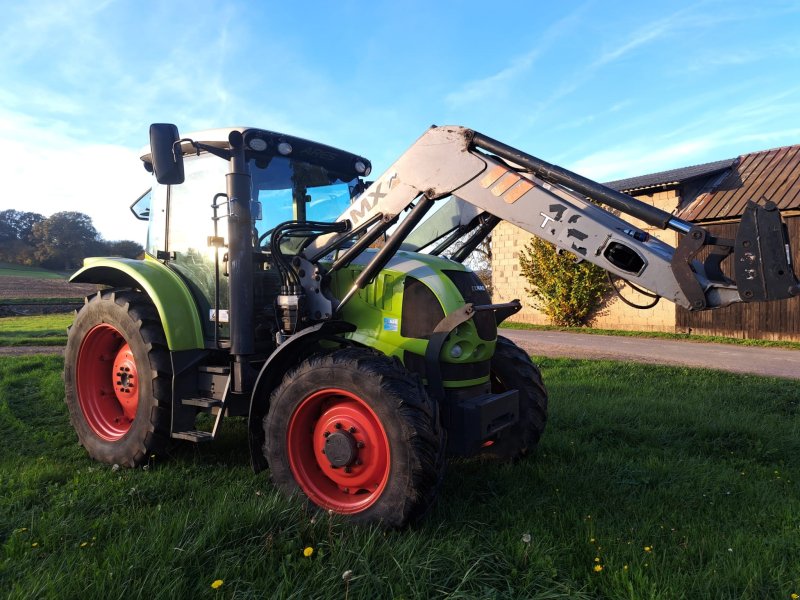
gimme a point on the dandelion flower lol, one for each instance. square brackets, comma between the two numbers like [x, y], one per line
[794, 596]
[624, 567]
[648, 548]
[526, 538]
[598, 568]
[217, 583]
[347, 575]
[591, 541]
[308, 551]
[84, 544]
[597, 559]
[35, 545]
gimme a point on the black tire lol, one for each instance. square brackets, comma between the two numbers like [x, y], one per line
[139, 379]
[512, 368]
[389, 405]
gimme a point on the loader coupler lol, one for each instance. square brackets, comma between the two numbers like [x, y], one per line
[472, 421]
[763, 257]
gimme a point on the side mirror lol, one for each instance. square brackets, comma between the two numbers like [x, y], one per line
[167, 159]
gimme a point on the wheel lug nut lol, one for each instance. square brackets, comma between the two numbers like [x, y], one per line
[326, 434]
[338, 425]
[352, 430]
[360, 444]
[334, 466]
[347, 469]
[358, 462]
[323, 450]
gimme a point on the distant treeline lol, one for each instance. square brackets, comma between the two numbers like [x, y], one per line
[60, 241]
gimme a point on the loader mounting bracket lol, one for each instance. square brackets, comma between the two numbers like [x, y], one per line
[762, 240]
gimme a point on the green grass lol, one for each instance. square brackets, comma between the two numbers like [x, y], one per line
[699, 467]
[38, 330]
[718, 339]
[14, 270]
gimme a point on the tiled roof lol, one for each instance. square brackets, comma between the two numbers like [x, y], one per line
[671, 177]
[771, 174]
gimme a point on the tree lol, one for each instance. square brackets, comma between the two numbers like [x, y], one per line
[64, 239]
[16, 236]
[480, 262]
[124, 248]
[569, 292]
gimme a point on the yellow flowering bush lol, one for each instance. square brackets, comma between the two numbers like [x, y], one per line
[569, 293]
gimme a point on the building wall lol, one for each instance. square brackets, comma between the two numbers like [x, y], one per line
[508, 242]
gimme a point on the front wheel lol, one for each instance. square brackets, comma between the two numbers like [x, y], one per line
[117, 378]
[512, 368]
[356, 434]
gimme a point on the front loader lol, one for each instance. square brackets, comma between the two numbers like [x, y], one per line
[338, 316]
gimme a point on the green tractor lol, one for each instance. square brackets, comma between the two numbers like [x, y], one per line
[338, 315]
[352, 403]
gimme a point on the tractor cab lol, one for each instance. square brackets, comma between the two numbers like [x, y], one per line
[190, 226]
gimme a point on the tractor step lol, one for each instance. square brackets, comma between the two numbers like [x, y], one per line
[215, 369]
[202, 402]
[193, 436]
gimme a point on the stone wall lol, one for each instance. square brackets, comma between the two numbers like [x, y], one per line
[508, 241]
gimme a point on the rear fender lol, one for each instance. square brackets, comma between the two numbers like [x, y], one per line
[168, 292]
[285, 356]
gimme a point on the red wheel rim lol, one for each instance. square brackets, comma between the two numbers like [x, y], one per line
[338, 451]
[107, 382]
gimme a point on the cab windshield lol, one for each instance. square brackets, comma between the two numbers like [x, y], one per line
[292, 190]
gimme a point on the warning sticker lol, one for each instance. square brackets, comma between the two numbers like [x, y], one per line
[389, 324]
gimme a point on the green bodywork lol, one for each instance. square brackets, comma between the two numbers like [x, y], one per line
[168, 292]
[376, 310]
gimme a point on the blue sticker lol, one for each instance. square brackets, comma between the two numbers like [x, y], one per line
[389, 324]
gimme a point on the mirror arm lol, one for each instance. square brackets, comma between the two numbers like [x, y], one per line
[198, 146]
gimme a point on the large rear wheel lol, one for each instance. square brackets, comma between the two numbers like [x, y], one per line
[356, 434]
[512, 368]
[117, 378]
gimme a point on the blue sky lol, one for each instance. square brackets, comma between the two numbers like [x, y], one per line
[609, 89]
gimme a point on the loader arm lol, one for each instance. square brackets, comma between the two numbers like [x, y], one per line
[485, 180]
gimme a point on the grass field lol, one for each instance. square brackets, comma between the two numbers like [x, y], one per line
[14, 270]
[39, 330]
[651, 482]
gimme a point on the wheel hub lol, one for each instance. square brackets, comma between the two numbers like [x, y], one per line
[107, 382]
[340, 449]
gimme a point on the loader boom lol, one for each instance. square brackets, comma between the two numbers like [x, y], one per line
[489, 181]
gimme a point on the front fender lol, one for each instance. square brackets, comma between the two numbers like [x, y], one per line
[285, 356]
[170, 295]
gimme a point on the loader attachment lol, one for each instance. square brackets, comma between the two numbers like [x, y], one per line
[480, 181]
[763, 257]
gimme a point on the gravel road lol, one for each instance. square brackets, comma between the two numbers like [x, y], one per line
[776, 362]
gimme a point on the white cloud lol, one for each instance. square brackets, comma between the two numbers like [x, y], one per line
[47, 171]
[478, 90]
[639, 158]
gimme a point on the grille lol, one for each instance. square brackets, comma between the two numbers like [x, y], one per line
[474, 292]
[421, 310]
